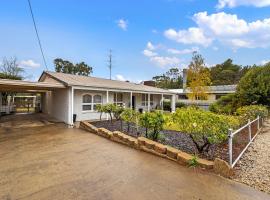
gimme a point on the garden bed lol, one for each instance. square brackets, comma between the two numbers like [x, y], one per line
[175, 139]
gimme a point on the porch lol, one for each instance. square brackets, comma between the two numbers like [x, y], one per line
[86, 99]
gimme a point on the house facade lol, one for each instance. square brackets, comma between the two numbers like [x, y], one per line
[213, 94]
[81, 95]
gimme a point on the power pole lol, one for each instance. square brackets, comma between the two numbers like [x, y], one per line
[110, 63]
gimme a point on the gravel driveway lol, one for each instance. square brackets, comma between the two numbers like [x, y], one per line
[254, 168]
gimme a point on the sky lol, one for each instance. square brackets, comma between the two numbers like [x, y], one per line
[147, 37]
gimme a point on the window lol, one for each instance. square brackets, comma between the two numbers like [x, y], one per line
[118, 99]
[97, 101]
[145, 100]
[89, 102]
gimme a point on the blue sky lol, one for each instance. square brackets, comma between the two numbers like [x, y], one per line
[146, 37]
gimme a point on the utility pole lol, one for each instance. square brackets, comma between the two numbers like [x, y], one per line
[110, 63]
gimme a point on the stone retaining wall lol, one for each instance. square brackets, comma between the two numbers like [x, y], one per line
[150, 146]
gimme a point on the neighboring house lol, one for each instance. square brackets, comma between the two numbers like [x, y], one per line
[82, 94]
[213, 94]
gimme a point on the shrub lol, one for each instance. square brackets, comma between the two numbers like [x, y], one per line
[157, 121]
[225, 105]
[144, 121]
[254, 87]
[152, 121]
[204, 128]
[251, 112]
[178, 104]
[129, 115]
[193, 162]
[109, 108]
[101, 109]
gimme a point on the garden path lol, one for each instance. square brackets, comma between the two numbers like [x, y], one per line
[253, 168]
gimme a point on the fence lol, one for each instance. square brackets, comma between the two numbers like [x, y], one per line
[242, 138]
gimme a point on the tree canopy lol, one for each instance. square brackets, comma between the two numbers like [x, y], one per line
[198, 77]
[172, 79]
[9, 69]
[227, 73]
[68, 67]
[254, 87]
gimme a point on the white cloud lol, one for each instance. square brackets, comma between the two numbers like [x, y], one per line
[192, 35]
[29, 64]
[263, 62]
[123, 24]
[154, 31]
[149, 53]
[225, 28]
[235, 3]
[120, 77]
[161, 61]
[184, 51]
[150, 46]
[164, 61]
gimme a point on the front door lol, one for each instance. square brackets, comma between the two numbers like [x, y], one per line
[133, 102]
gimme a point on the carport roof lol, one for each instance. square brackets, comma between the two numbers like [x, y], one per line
[19, 85]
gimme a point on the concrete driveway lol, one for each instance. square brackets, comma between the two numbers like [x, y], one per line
[51, 161]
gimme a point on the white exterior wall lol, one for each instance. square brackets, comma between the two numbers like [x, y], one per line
[57, 104]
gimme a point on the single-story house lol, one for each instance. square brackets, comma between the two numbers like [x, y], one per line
[213, 94]
[81, 95]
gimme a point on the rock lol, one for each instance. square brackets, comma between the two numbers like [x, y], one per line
[172, 152]
[160, 148]
[223, 168]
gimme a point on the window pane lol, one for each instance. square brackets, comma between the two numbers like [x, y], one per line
[119, 97]
[114, 97]
[87, 98]
[151, 97]
[86, 107]
[143, 97]
[97, 99]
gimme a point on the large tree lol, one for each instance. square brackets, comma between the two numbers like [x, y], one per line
[68, 67]
[10, 69]
[198, 77]
[254, 87]
[172, 79]
[227, 73]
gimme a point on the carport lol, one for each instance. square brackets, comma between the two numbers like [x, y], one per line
[41, 89]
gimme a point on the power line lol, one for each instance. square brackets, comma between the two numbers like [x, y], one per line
[39, 42]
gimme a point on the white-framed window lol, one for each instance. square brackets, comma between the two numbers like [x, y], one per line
[145, 99]
[118, 98]
[90, 101]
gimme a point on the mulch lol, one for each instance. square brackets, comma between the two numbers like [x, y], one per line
[181, 141]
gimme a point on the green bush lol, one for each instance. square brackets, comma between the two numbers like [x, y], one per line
[254, 87]
[178, 104]
[204, 127]
[251, 112]
[225, 105]
[153, 122]
[130, 116]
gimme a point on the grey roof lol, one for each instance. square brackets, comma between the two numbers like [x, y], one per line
[87, 81]
[210, 89]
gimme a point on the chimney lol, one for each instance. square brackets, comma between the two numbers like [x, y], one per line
[184, 78]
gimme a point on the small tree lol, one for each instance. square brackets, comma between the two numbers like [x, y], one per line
[117, 111]
[204, 128]
[198, 77]
[129, 115]
[109, 109]
[145, 121]
[156, 124]
[9, 69]
[101, 109]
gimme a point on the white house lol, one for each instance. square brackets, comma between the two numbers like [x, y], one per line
[81, 94]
